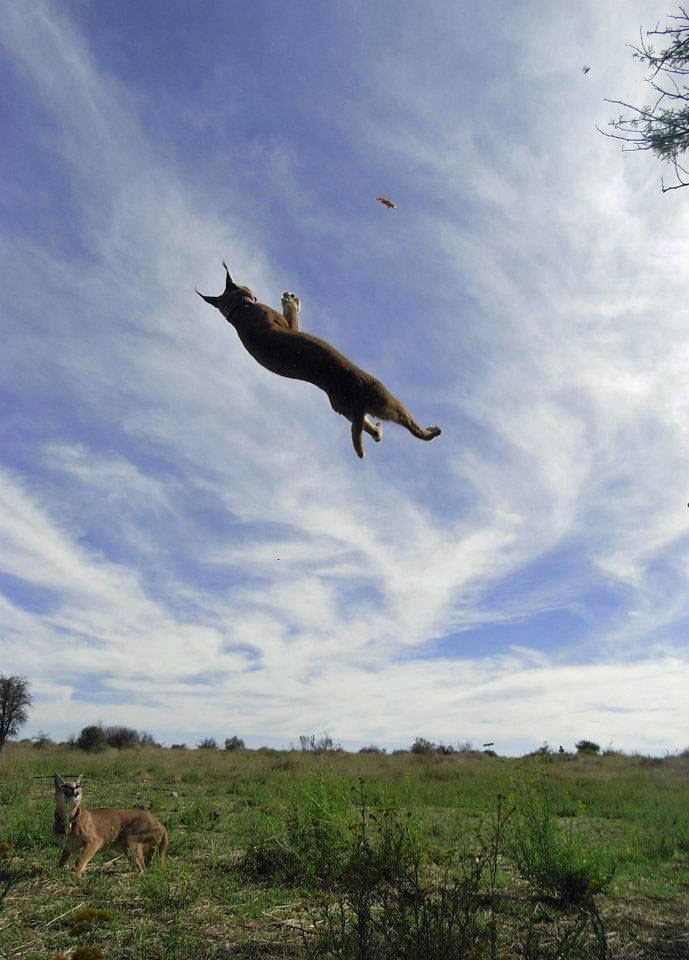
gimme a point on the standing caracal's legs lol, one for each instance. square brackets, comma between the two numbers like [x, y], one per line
[136, 850]
[88, 853]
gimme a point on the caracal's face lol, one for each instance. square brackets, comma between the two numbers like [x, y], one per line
[227, 303]
[247, 292]
[67, 793]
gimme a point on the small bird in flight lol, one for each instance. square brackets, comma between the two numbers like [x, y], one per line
[585, 69]
[386, 202]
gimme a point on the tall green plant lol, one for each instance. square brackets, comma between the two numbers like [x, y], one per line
[308, 846]
[555, 858]
[390, 907]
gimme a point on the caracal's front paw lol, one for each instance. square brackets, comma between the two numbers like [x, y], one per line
[291, 305]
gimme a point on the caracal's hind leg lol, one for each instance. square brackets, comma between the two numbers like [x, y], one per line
[359, 423]
[374, 430]
[135, 849]
[162, 847]
[357, 434]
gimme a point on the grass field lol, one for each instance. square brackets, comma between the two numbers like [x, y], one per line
[289, 854]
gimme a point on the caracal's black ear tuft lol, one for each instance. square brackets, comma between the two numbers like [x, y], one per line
[229, 282]
[58, 780]
[214, 301]
[230, 285]
[79, 779]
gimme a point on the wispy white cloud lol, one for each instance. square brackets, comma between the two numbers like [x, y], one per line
[193, 517]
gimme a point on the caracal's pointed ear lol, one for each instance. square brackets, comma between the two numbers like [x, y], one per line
[229, 282]
[78, 780]
[58, 780]
[230, 285]
[214, 301]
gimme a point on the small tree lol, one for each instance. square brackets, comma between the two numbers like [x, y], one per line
[42, 740]
[663, 125]
[208, 743]
[92, 738]
[15, 700]
[234, 743]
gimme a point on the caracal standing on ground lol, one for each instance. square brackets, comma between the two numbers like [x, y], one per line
[85, 832]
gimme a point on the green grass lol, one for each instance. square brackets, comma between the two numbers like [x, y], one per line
[270, 855]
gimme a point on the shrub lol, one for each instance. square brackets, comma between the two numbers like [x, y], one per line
[324, 745]
[372, 748]
[387, 910]
[554, 858]
[208, 743]
[178, 746]
[234, 743]
[308, 848]
[660, 838]
[121, 737]
[92, 738]
[587, 746]
[421, 745]
[42, 740]
[147, 739]
[84, 921]
[87, 951]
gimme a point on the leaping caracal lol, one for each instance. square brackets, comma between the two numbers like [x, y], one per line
[276, 342]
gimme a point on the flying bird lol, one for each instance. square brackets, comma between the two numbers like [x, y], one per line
[386, 202]
[585, 69]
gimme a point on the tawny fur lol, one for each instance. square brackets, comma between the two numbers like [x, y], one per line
[278, 345]
[85, 832]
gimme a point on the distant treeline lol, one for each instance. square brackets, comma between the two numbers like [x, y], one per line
[97, 737]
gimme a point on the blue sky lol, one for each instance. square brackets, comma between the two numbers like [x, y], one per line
[188, 544]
